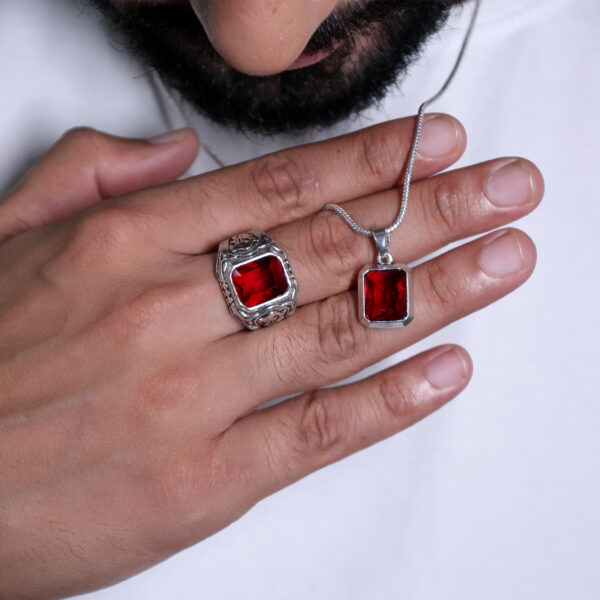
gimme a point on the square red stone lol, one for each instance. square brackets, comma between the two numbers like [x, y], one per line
[386, 295]
[259, 281]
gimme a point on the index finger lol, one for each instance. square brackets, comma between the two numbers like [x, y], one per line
[194, 215]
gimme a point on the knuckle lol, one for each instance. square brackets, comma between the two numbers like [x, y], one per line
[441, 291]
[322, 426]
[101, 234]
[340, 339]
[159, 395]
[130, 325]
[378, 149]
[82, 137]
[332, 245]
[397, 398]
[140, 320]
[320, 347]
[284, 186]
[51, 272]
[447, 207]
[152, 402]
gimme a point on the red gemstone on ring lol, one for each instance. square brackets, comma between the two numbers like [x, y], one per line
[259, 281]
[385, 295]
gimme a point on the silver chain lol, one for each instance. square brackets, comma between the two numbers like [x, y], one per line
[382, 236]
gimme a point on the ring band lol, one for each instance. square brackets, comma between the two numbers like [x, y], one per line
[256, 279]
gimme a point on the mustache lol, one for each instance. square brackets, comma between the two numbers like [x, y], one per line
[338, 30]
[172, 42]
[346, 23]
[178, 16]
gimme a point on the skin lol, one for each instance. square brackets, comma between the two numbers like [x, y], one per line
[258, 37]
[254, 36]
[122, 441]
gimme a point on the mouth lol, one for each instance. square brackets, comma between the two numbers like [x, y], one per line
[305, 60]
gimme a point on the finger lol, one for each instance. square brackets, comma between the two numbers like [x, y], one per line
[196, 214]
[86, 166]
[325, 341]
[286, 442]
[327, 254]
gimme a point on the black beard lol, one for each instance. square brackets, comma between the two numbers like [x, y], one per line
[379, 39]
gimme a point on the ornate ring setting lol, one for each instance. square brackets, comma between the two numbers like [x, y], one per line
[256, 279]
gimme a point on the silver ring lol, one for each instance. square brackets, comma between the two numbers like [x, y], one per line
[256, 279]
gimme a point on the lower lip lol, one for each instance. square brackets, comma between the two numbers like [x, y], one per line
[305, 60]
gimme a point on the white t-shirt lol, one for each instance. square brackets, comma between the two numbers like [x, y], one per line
[497, 495]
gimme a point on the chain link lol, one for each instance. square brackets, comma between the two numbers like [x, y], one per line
[413, 150]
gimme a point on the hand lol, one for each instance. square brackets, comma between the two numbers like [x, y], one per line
[128, 421]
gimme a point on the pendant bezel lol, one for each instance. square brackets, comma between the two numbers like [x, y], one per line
[361, 296]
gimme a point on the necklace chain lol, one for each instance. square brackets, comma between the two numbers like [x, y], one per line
[382, 236]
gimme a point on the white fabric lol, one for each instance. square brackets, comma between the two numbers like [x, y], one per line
[497, 496]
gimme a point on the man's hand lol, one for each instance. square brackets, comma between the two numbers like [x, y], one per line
[128, 393]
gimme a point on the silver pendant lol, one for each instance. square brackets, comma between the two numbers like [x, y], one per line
[385, 289]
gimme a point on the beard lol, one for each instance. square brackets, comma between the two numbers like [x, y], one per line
[372, 44]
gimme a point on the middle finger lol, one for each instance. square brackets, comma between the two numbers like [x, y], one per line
[326, 254]
[326, 342]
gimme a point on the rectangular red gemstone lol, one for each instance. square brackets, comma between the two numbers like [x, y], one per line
[259, 281]
[386, 295]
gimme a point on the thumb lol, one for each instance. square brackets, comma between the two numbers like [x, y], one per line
[86, 166]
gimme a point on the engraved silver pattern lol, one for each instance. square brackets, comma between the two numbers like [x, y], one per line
[248, 247]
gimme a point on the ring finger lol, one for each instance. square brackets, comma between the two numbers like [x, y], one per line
[325, 341]
[326, 253]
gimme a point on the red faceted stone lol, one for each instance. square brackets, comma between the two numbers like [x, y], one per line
[259, 281]
[385, 295]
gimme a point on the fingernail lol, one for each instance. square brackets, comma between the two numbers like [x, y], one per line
[439, 136]
[171, 137]
[447, 369]
[502, 255]
[511, 185]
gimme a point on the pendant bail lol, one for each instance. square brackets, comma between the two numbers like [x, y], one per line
[382, 241]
